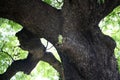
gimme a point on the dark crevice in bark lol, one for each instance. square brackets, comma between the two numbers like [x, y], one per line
[69, 69]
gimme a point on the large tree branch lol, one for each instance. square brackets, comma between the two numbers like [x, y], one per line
[33, 45]
[32, 14]
[107, 7]
[36, 53]
[89, 9]
[25, 65]
[28, 42]
[29, 63]
[111, 3]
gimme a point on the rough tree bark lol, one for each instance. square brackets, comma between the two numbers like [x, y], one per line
[86, 53]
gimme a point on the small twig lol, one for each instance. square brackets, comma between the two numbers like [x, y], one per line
[6, 52]
[47, 44]
[8, 55]
[47, 47]
[59, 2]
[50, 48]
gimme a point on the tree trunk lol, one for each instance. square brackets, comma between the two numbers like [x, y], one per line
[86, 53]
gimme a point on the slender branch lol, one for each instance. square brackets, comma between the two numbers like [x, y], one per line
[5, 51]
[49, 58]
[8, 55]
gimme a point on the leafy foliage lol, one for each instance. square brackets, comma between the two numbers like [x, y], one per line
[110, 25]
[43, 71]
[55, 3]
[9, 49]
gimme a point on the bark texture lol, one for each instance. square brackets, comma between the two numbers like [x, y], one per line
[86, 53]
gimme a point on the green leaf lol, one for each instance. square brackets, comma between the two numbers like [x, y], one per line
[60, 39]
